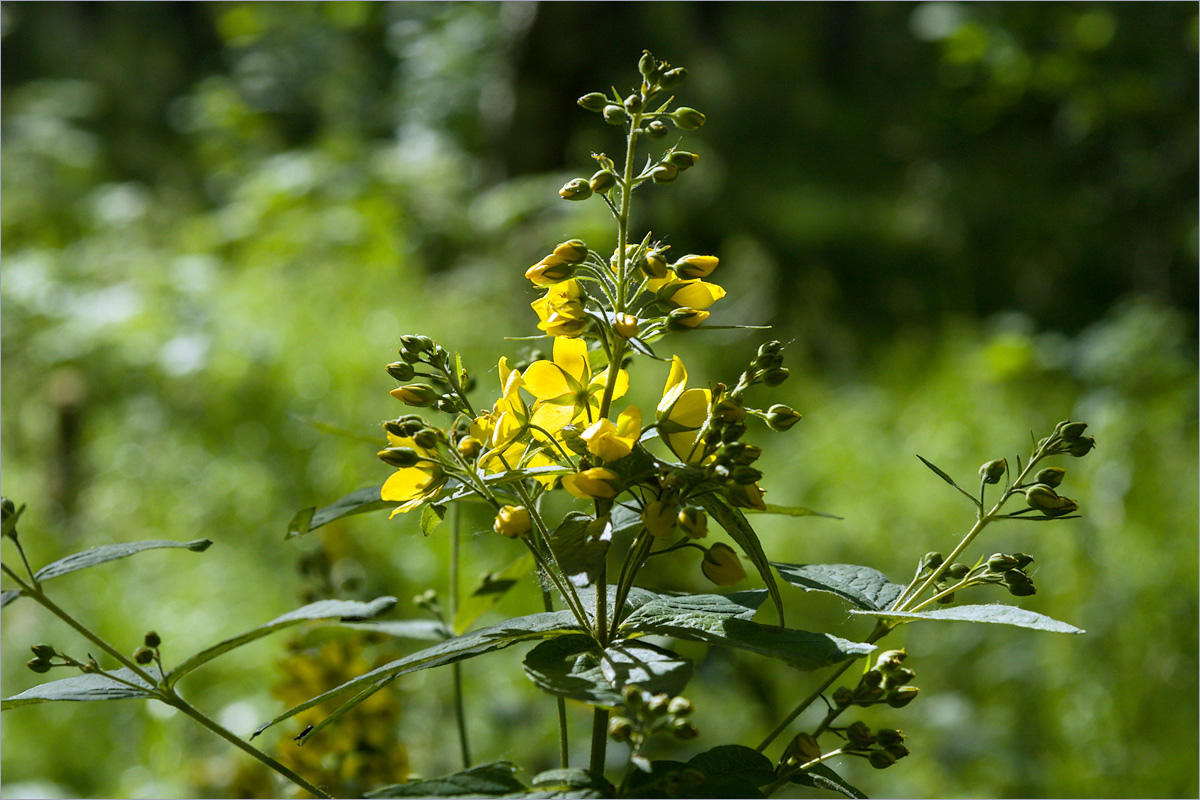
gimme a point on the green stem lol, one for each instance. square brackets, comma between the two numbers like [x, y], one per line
[629, 570]
[460, 719]
[599, 740]
[563, 745]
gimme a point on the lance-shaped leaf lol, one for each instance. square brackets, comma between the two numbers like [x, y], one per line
[997, 613]
[359, 502]
[322, 609]
[576, 667]
[486, 780]
[490, 591]
[111, 552]
[866, 588]
[580, 544]
[82, 687]
[427, 630]
[941, 474]
[545, 625]
[8, 596]
[729, 628]
[822, 777]
[739, 530]
[792, 511]
[431, 516]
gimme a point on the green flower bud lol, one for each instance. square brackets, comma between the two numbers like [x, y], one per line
[684, 730]
[399, 457]
[680, 707]
[871, 679]
[664, 173]
[657, 704]
[633, 104]
[993, 471]
[614, 114]
[957, 572]
[647, 66]
[39, 665]
[1070, 431]
[593, 101]
[843, 696]
[1042, 497]
[575, 189]
[804, 746]
[143, 655]
[1019, 584]
[7, 508]
[1023, 560]
[898, 677]
[401, 370]
[412, 343]
[930, 562]
[1081, 446]
[746, 475]
[1051, 476]
[859, 735]
[1001, 562]
[902, 696]
[890, 660]
[151, 639]
[693, 522]
[43, 651]
[427, 438]
[781, 417]
[620, 728]
[687, 119]
[889, 737]
[774, 377]
[672, 78]
[897, 751]
[728, 409]
[602, 181]
[722, 566]
[632, 695]
[682, 159]
[572, 251]
[420, 395]
[881, 759]
[655, 129]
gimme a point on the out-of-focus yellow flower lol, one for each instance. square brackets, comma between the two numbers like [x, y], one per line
[722, 566]
[565, 387]
[512, 521]
[696, 294]
[682, 412]
[561, 310]
[660, 518]
[613, 442]
[412, 486]
[694, 522]
[593, 484]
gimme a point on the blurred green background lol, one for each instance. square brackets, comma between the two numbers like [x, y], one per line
[967, 220]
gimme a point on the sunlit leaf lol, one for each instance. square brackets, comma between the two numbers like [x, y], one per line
[866, 588]
[490, 591]
[111, 552]
[82, 687]
[740, 531]
[997, 613]
[576, 667]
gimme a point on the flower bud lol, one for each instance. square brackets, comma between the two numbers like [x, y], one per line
[1051, 476]
[614, 114]
[1019, 584]
[781, 417]
[881, 759]
[694, 266]
[672, 78]
[143, 655]
[572, 251]
[575, 189]
[776, 376]
[657, 704]
[746, 495]
[401, 370]
[660, 518]
[993, 471]
[687, 119]
[890, 660]
[1081, 446]
[602, 181]
[681, 159]
[399, 457]
[593, 101]
[680, 707]
[1070, 431]
[592, 484]
[412, 343]
[655, 265]
[626, 326]
[684, 730]
[956, 572]
[685, 319]
[1042, 497]
[664, 173]
[930, 562]
[727, 409]
[421, 395]
[550, 270]
[843, 696]
[722, 566]
[648, 66]
[859, 735]
[804, 747]
[902, 696]
[43, 651]
[1001, 562]
[655, 129]
[633, 104]
[745, 475]
[469, 447]
[693, 522]
[151, 639]
[620, 728]
[39, 665]
[427, 438]
[512, 521]
[889, 737]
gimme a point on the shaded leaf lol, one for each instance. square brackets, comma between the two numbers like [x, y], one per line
[431, 516]
[545, 625]
[301, 522]
[739, 530]
[9, 525]
[575, 667]
[486, 780]
[735, 760]
[822, 777]
[335, 430]
[359, 502]
[792, 511]
[992, 612]
[80, 688]
[572, 779]
[580, 544]
[429, 630]
[866, 588]
[662, 780]
[8, 596]
[323, 609]
[111, 552]
[490, 591]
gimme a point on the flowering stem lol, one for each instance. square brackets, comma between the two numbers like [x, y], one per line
[459, 712]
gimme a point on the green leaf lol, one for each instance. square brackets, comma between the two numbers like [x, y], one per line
[866, 588]
[662, 779]
[739, 530]
[10, 524]
[822, 777]
[8, 596]
[625, 520]
[82, 687]
[545, 625]
[431, 516]
[993, 612]
[799, 648]
[323, 609]
[580, 544]
[359, 502]
[490, 591]
[792, 511]
[514, 475]
[573, 778]
[111, 552]
[735, 760]
[301, 522]
[939, 472]
[334, 430]
[429, 630]
[486, 780]
[576, 667]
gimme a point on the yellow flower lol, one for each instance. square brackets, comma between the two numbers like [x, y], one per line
[512, 521]
[693, 266]
[722, 566]
[682, 319]
[412, 486]
[691, 294]
[626, 326]
[565, 387]
[614, 442]
[681, 412]
[591, 484]
[561, 310]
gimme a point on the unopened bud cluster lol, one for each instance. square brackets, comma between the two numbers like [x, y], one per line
[645, 715]
[445, 386]
[881, 748]
[887, 682]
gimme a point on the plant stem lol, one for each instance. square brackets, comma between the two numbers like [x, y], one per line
[460, 718]
[563, 747]
[599, 740]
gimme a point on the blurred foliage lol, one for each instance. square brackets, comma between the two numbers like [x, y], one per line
[973, 219]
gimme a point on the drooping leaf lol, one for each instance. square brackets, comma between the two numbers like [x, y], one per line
[992, 612]
[799, 648]
[545, 625]
[359, 502]
[792, 511]
[322, 609]
[428, 630]
[431, 516]
[822, 777]
[111, 552]
[576, 667]
[580, 544]
[486, 780]
[735, 524]
[735, 760]
[490, 591]
[82, 687]
[866, 588]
